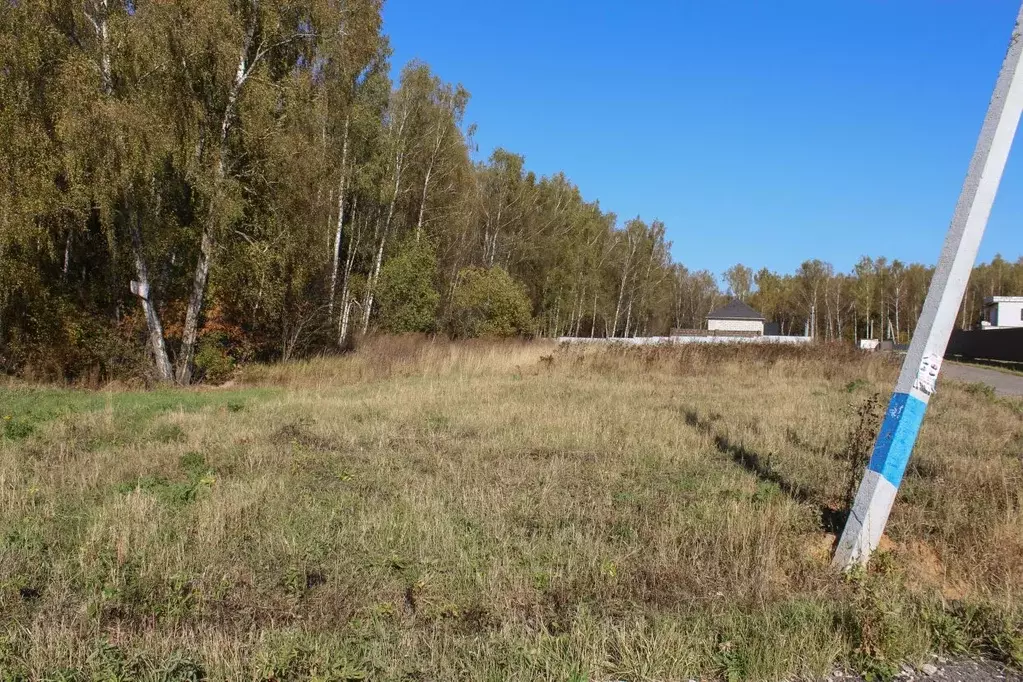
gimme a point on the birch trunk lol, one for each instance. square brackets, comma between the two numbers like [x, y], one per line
[99, 20]
[140, 288]
[618, 306]
[422, 203]
[827, 306]
[579, 319]
[195, 299]
[367, 305]
[399, 167]
[426, 184]
[340, 219]
[573, 319]
[897, 321]
[621, 297]
[346, 281]
[206, 245]
[491, 246]
[67, 255]
[838, 309]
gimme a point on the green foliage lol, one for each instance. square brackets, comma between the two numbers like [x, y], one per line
[117, 166]
[302, 662]
[112, 663]
[740, 281]
[966, 628]
[212, 361]
[855, 385]
[16, 429]
[980, 390]
[199, 477]
[489, 303]
[26, 410]
[58, 341]
[732, 663]
[408, 299]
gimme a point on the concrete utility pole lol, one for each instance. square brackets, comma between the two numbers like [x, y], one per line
[916, 383]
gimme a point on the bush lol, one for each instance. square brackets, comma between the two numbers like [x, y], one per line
[408, 299]
[489, 303]
[57, 341]
[213, 364]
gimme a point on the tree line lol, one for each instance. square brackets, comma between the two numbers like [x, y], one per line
[877, 299]
[188, 184]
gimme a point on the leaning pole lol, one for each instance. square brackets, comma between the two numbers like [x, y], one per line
[916, 384]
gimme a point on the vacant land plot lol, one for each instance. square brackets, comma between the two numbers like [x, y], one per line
[422, 511]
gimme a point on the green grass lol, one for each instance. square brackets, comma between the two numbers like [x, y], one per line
[473, 512]
[24, 409]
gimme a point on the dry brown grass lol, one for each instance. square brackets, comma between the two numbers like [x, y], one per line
[429, 510]
[390, 357]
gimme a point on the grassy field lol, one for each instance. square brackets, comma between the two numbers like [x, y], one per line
[435, 511]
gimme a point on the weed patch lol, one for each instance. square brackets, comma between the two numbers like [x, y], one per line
[198, 477]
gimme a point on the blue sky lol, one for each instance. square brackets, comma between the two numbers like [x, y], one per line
[763, 132]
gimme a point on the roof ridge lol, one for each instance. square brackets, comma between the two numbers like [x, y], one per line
[736, 309]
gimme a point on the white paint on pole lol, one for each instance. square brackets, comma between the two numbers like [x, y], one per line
[917, 381]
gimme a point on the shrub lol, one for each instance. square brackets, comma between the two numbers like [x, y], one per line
[408, 299]
[213, 363]
[57, 341]
[489, 303]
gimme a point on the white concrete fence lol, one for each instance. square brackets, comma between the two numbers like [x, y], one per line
[682, 340]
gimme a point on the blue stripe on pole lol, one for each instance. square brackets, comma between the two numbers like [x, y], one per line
[898, 434]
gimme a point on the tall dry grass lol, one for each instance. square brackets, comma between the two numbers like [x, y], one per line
[387, 357]
[433, 510]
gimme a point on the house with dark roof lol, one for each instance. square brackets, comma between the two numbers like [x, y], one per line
[736, 316]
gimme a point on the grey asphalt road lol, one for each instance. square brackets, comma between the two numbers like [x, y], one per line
[1004, 383]
[946, 671]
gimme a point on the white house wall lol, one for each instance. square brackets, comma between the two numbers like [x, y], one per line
[1008, 314]
[736, 326]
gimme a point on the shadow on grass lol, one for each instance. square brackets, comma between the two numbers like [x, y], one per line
[832, 520]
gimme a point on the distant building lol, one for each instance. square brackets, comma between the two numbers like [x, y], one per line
[736, 316]
[1003, 312]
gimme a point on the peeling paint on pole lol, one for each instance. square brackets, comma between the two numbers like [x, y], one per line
[919, 375]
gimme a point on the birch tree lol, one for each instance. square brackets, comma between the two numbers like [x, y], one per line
[740, 281]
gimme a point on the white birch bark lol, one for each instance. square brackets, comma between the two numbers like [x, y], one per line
[141, 288]
[440, 136]
[367, 306]
[206, 245]
[628, 318]
[340, 218]
[621, 288]
[399, 168]
[67, 255]
[346, 291]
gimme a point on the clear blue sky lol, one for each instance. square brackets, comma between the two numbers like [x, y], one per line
[764, 132]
